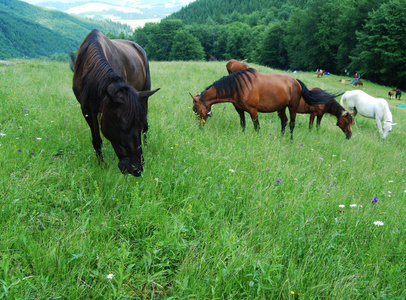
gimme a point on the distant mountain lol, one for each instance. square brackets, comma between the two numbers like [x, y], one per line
[132, 12]
[30, 31]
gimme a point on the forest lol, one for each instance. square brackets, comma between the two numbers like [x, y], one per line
[345, 37]
[30, 31]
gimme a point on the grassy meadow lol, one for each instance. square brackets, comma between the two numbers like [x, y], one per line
[217, 213]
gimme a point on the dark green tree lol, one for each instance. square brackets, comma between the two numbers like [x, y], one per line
[351, 17]
[238, 38]
[380, 49]
[186, 47]
[273, 50]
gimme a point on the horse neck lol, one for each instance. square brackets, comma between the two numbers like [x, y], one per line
[387, 115]
[210, 97]
[334, 108]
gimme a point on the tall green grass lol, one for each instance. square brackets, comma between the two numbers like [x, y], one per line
[217, 213]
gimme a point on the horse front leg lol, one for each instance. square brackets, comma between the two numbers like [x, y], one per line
[284, 119]
[242, 117]
[311, 121]
[93, 123]
[319, 121]
[379, 125]
[292, 122]
[254, 116]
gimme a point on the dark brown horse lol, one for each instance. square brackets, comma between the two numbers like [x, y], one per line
[235, 65]
[398, 94]
[331, 106]
[112, 84]
[252, 91]
[359, 82]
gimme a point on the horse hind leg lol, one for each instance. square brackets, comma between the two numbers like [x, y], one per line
[284, 119]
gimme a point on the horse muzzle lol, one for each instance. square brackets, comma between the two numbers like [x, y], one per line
[127, 167]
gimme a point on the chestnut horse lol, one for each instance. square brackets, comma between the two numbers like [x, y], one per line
[320, 73]
[112, 83]
[235, 65]
[391, 93]
[252, 91]
[331, 106]
[359, 82]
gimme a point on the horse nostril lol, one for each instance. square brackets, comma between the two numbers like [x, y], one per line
[136, 173]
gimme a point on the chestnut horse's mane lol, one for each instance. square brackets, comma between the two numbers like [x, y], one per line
[97, 75]
[227, 85]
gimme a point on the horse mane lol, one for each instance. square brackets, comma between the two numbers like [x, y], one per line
[97, 75]
[334, 108]
[387, 114]
[227, 85]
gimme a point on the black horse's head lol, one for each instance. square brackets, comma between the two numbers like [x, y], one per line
[122, 122]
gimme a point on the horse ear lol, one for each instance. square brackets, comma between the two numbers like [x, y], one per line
[146, 94]
[116, 93]
[194, 98]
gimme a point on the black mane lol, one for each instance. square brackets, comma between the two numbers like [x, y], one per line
[97, 75]
[334, 108]
[227, 85]
[316, 96]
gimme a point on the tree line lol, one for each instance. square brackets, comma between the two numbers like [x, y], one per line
[364, 36]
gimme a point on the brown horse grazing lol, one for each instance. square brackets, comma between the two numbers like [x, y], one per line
[331, 106]
[359, 82]
[235, 65]
[391, 93]
[111, 79]
[320, 73]
[252, 91]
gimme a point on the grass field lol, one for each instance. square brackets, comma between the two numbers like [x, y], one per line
[217, 213]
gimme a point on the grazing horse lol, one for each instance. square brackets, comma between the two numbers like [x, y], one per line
[359, 82]
[252, 91]
[398, 94]
[391, 93]
[320, 73]
[235, 65]
[112, 83]
[370, 107]
[331, 106]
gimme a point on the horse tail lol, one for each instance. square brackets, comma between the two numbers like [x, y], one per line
[316, 96]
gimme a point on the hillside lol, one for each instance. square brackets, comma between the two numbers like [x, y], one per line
[30, 31]
[200, 11]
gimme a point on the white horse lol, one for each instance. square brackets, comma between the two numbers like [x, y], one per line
[370, 107]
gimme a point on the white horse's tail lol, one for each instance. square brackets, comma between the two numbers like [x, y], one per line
[343, 98]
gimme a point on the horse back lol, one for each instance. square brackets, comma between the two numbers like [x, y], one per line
[128, 60]
[276, 91]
